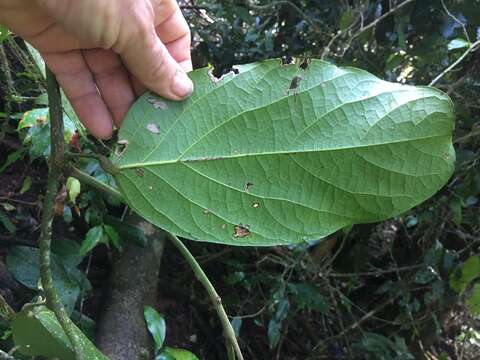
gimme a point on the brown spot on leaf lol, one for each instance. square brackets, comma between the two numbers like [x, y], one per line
[248, 186]
[139, 172]
[241, 231]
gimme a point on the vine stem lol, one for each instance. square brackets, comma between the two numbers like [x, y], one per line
[99, 185]
[233, 348]
[56, 164]
[473, 47]
[229, 333]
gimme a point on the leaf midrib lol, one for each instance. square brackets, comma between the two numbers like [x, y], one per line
[284, 152]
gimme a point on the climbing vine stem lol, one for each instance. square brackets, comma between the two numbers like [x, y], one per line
[56, 163]
[228, 331]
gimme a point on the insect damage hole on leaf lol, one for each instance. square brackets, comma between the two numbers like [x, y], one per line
[121, 147]
[157, 103]
[216, 80]
[153, 128]
[241, 231]
[294, 85]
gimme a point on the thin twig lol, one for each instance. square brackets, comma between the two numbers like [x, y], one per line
[380, 18]
[17, 201]
[377, 273]
[308, 19]
[465, 32]
[473, 47]
[229, 333]
[55, 170]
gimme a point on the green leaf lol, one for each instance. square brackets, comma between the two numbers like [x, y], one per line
[468, 272]
[346, 19]
[7, 224]
[27, 183]
[4, 33]
[458, 43]
[93, 238]
[156, 325]
[74, 188]
[127, 232]
[237, 325]
[473, 301]
[113, 236]
[307, 296]
[176, 354]
[33, 118]
[23, 263]
[36, 332]
[11, 158]
[279, 155]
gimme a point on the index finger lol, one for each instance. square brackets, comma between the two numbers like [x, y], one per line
[174, 32]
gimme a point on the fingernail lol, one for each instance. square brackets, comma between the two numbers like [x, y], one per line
[182, 86]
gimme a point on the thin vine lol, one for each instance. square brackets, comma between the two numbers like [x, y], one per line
[56, 164]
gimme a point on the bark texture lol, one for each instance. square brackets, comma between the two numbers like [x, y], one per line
[122, 332]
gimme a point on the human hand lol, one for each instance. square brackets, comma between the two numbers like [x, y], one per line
[104, 53]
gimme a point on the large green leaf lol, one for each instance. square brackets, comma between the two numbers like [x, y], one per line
[276, 154]
[36, 332]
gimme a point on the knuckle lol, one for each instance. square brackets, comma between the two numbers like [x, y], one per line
[159, 69]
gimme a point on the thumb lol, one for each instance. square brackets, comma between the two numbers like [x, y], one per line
[148, 59]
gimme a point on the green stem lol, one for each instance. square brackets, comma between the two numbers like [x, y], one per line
[55, 171]
[96, 184]
[229, 333]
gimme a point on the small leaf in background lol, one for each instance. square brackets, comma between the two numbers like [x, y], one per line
[113, 236]
[67, 214]
[8, 207]
[156, 326]
[456, 209]
[4, 33]
[93, 237]
[463, 276]
[127, 232]
[23, 263]
[457, 43]
[34, 117]
[7, 224]
[236, 325]
[74, 188]
[307, 296]
[346, 19]
[274, 330]
[473, 301]
[176, 354]
[27, 183]
[36, 332]
[11, 158]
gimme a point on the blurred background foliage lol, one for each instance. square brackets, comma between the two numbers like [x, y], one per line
[407, 288]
